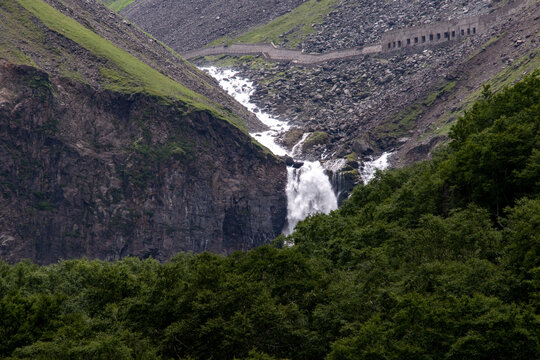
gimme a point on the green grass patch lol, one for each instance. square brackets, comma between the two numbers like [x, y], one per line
[291, 28]
[132, 75]
[513, 73]
[316, 138]
[485, 45]
[171, 149]
[405, 120]
[507, 77]
[118, 5]
[44, 206]
[16, 24]
[402, 123]
[447, 87]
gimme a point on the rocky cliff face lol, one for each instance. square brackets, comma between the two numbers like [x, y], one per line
[98, 159]
[105, 175]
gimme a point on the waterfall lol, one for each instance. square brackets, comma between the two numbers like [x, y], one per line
[333, 167]
[308, 192]
[368, 171]
[308, 189]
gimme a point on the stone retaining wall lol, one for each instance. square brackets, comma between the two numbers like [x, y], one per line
[413, 37]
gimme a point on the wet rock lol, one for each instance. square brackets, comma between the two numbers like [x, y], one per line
[289, 161]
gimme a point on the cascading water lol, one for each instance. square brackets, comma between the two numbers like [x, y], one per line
[308, 188]
[308, 192]
[241, 89]
[381, 163]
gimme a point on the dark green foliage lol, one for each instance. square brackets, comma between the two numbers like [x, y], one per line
[440, 260]
[496, 144]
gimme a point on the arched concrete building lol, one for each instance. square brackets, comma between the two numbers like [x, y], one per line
[433, 34]
[436, 33]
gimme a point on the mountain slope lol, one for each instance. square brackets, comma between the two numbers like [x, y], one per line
[112, 145]
[186, 25]
[421, 263]
[402, 100]
[117, 5]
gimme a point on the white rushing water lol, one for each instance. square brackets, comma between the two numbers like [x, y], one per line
[309, 190]
[241, 89]
[370, 167]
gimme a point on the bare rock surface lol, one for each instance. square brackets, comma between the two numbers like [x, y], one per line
[356, 23]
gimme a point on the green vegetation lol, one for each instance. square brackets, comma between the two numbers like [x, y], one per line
[13, 24]
[315, 138]
[405, 120]
[254, 61]
[171, 149]
[118, 5]
[440, 260]
[290, 28]
[506, 77]
[124, 72]
[45, 206]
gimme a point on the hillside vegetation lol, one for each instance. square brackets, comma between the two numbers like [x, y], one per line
[440, 260]
[119, 71]
[117, 5]
[112, 145]
[290, 28]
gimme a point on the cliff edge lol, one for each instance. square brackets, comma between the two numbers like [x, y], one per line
[108, 150]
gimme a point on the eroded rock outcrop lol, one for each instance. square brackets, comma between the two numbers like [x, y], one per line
[105, 175]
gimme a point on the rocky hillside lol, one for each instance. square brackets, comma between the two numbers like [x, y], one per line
[111, 145]
[356, 23]
[186, 25]
[403, 100]
[400, 101]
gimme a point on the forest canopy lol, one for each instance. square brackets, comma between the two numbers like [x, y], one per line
[439, 260]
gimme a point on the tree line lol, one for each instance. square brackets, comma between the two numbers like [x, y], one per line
[439, 260]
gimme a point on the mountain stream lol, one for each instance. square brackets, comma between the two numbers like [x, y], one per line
[309, 189]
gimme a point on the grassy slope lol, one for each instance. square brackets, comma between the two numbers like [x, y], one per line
[118, 5]
[294, 25]
[124, 72]
[14, 24]
[405, 120]
[506, 77]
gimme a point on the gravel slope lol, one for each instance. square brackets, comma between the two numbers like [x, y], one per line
[186, 25]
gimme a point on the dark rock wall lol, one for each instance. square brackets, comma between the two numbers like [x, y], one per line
[107, 175]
